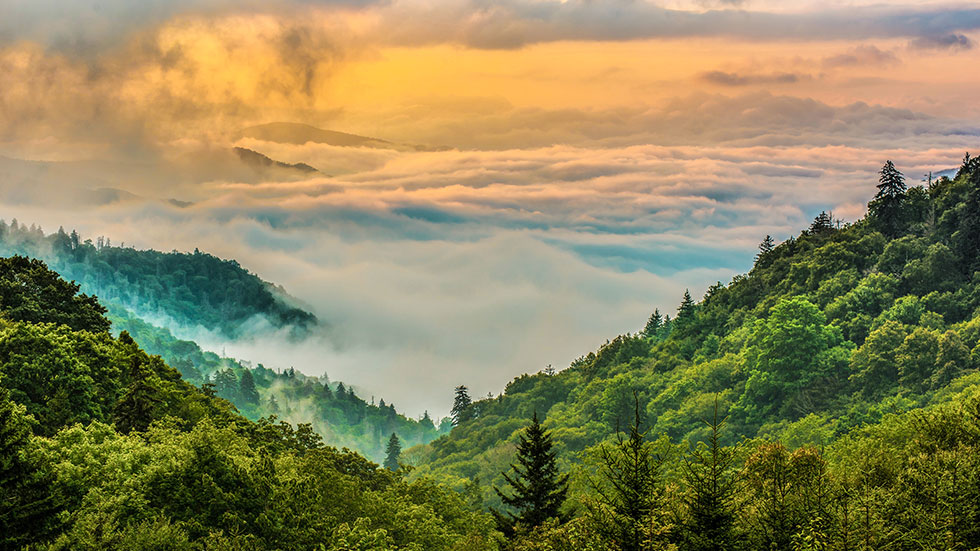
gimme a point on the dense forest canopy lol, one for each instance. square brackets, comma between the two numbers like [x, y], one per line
[103, 446]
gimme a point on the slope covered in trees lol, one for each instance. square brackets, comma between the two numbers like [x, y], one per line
[200, 290]
[103, 446]
[833, 330]
[190, 289]
[333, 409]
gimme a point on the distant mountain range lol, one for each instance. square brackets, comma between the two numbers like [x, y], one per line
[262, 163]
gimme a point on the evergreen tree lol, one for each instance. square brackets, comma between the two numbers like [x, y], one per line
[767, 246]
[629, 487]
[462, 406]
[654, 324]
[246, 388]
[539, 491]
[887, 205]
[426, 421]
[28, 504]
[136, 408]
[711, 487]
[685, 312]
[392, 451]
[823, 223]
[966, 239]
[226, 385]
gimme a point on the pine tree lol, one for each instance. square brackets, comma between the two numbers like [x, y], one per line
[767, 246]
[711, 489]
[966, 239]
[28, 504]
[629, 487]
[887, 205]
[823, 223]
[539, 491]
[246, 388]
[654, 324]
[426, 421]
[686, 309]
[392, 451]
[135, 409]
[462, 406]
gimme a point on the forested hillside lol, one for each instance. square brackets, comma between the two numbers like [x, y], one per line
[837, 338]
[194, 290]
[201, 291]
[333, 409]
[105, 447]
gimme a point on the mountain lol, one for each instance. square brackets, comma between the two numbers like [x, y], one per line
[333, 410]
[103, 446]
[261, 163]
[188, 290]
[833, 331]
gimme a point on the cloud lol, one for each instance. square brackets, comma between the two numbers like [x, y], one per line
[735, 79]
[859, 56]
[83, 28]
[435, 268]
[951, 41]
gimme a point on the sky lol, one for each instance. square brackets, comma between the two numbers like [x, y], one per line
[554, 170]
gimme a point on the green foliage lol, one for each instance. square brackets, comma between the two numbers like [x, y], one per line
[711, 486]
[30, 292]
[343, 418]
[28, 504]
[538, 490]
[190, 289]
[178, 468]
[628, 489]
[462, 410]
[392, 451]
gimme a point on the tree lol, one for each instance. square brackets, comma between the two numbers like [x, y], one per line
[767, 246]
[654, 324]
[792, 355]
[462, 406]
[30, 292]
[629, 487]
[392, 451]
[539, 491]
[226, 385]
[246, 388]
[966, 239]
[136, 408]
[823, 223]
[685, 312]
[28, 504]
[788, 491]
[886, 207]
[711, 486]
